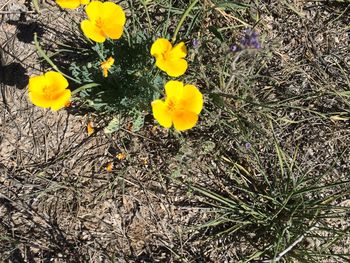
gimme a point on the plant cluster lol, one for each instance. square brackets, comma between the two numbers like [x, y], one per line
[122, 77]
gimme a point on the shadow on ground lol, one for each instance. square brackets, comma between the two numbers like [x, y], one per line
[14, 74]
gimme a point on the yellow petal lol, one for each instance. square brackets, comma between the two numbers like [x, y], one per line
[112, 13]
[84, 2]
[37, 84]
[105, 72]
[39, 100]
[161, 63]
[121, 156]
[92, 31]
[109, 167]
[176, 67]
[178, 51]
[174, 89]
[160, 46]
[71, 4]
[161, 113]
[110, 61]
[61, 100]
[184, 120]
[49, 90]
[93, 10]
[36, 94]
[192, 99]
[106, 65]
[113, 30]
[56, 80]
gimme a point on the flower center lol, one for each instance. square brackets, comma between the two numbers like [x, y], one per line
[167, 55]
[50, 92]
[174, 104]
[99, 22]
[171, 105]
[100, 25]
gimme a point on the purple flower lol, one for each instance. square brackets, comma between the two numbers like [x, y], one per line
[247, 145]
[195, 43]
[245, 40]
[250, 39]
[234, 48]
[255, 43]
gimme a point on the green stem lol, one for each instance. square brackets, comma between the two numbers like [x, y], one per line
[182, 20]
[84, 87]
[148, 16]
[48, 60]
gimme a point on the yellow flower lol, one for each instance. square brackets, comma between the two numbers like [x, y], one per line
[72, 4]
[105, 20]
[49, 90]
[181, 106]
[106, 65]
[168, 58]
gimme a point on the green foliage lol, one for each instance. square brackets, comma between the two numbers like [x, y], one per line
[113, 125]
[132, 82]
[274, 207]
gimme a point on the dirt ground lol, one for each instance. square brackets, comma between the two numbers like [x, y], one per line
[47, 157]
[59, 204]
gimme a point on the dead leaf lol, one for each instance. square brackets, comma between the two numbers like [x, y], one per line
[90, 128]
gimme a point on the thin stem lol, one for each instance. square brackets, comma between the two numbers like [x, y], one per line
[148, 16]
[48, 60]
[84, 87]
[182, 20]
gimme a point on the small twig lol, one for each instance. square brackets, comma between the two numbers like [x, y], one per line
[15, 12]
[8, 1]
[225, 15]
[139, 135]
[21, 12]
[296, 242]
[36, 6]
[233, 69]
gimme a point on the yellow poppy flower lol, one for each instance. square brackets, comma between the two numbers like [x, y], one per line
[105, 20]
[181, 107]
[106, 65]
[72, 4]
[168, 58]
[49, 90]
